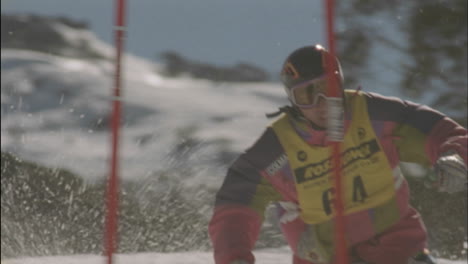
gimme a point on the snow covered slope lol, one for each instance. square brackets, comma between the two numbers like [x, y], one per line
[55, 111]
[267, 256]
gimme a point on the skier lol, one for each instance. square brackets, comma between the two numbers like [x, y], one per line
[289, 165]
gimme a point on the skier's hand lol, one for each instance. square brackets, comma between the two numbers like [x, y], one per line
[291, 212]
[450, 174]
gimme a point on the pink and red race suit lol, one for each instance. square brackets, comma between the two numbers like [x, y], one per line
[289, 166]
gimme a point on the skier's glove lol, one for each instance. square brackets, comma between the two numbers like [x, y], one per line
[450, 174]
[238, 262]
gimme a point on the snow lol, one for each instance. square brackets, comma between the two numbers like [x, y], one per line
[50, 105]
[267, 256]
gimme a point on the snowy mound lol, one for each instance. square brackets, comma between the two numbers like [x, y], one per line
[56, 109]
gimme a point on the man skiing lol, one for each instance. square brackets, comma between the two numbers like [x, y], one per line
[290, 166]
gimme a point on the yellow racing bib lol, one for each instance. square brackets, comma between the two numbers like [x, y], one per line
[366, 172]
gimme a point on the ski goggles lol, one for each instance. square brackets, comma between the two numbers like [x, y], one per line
[308, 94]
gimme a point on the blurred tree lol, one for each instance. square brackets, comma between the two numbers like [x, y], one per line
[430, 39]
[437, 34]
[175, 64]
[429, 36]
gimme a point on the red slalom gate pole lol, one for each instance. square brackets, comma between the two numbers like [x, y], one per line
[113, 180]
[335, 136]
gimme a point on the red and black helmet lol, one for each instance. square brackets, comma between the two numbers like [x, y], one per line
[306, 64]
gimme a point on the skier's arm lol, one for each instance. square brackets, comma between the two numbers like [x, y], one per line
[421, 134]
[431, 133]
[238, 213]
[447, 137]
[425, 136]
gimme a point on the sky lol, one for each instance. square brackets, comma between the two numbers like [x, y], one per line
[223, 32]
